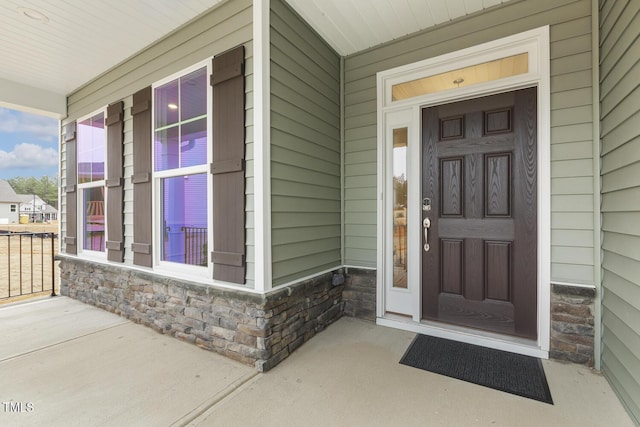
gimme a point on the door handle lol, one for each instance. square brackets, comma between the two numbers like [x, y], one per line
[426, 223]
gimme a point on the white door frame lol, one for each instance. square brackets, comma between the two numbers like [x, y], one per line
[406, 113]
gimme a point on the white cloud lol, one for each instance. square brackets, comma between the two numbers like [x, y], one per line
[40, 127]
[27, 155]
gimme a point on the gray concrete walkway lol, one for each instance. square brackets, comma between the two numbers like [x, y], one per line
[63, 363]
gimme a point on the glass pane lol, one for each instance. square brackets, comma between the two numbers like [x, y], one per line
[193, 94]
[193, 146]
[166, 104]
[400, 137]
[479, 73]
[94, 236]
[91, 150]
[166, 149]
[184, 219]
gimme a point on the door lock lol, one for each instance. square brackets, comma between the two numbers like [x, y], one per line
[426, 204]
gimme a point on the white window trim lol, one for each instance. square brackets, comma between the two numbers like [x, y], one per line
[536, 43]
[174, 269]
[81, 251]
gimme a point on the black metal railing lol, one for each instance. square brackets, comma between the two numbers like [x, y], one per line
[195, 245]
[27, 263]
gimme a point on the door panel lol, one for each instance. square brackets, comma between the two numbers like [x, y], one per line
[479, 170]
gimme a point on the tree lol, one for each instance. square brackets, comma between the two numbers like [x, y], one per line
[46, 187]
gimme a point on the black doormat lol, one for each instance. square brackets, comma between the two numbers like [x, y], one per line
[514, 373]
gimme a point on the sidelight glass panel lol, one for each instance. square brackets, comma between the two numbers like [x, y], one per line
[400, 137]
[479, 73]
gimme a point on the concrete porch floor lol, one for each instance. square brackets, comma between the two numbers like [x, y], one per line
[64, 363]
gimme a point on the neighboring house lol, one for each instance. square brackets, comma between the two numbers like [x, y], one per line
[476, 180]
[36, 209]
[9, 202]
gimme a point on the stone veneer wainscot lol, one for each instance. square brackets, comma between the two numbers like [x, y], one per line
[259, 330]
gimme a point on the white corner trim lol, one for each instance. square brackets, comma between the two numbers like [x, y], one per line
[262, 144]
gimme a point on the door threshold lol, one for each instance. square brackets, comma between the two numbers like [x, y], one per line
[470, 336]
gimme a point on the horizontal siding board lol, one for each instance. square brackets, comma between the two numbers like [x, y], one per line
[299, 189]
[569, 116]
[573, 80]
[283, 236]
[622, 201]
[579, 238]
[301, 145]
[621, 222]
[290, 157]
[571, 98]
[282, 57]
[359, 230]
[623, 245]
[286, 172]
[292, 82]
[580, 185]
[283, 93]
[301, 204]
[624, 133]
[572, 273]
[295, 250]
[619, 179]
[572, 221]
[572, 150]
[572, 255]
[572, 168]
[304, 131]
[572, 203]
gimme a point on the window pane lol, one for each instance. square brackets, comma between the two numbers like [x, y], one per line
[400, 207]
[193, 94]
[166, 149]
[193, 148]
[94, 237]
[166, 104]
[184, 219]
[91, 138]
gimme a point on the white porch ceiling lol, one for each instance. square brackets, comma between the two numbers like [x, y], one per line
[42, 62]
[350, 26]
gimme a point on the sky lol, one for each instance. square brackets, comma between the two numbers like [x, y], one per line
[28, 144]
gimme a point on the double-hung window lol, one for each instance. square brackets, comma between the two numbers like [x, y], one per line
[91, 180]
[181, 155]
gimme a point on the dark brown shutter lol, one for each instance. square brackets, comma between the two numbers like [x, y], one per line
[228, 167]
[115, 194]
[71, 238]
[142, 209]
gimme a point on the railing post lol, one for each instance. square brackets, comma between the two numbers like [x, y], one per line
[53, 266]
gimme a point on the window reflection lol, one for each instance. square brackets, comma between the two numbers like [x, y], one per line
[400, 137]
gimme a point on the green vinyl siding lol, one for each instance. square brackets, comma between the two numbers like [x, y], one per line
[221, 29]
[572, 170]
[620, 173]
[305, 149]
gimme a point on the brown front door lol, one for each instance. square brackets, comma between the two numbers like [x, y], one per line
[479, 176]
